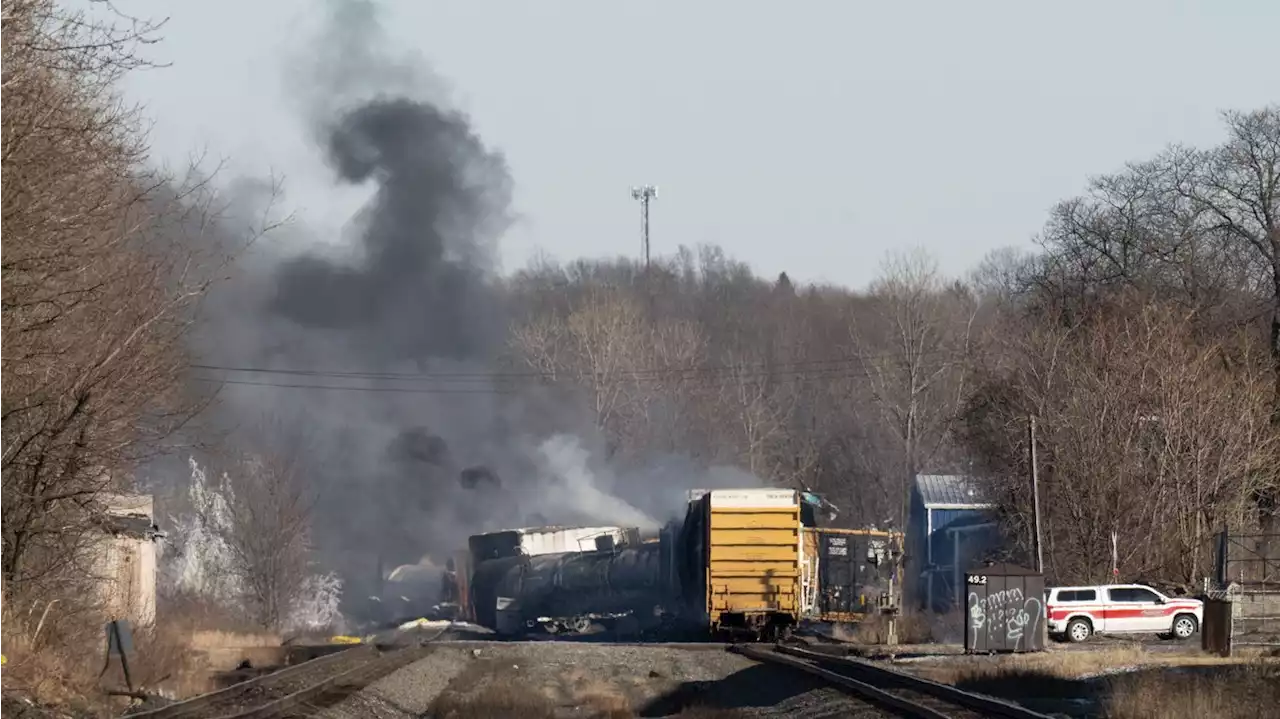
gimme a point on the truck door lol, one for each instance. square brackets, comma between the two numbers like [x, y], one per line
[1133, 609]
[1152, 612]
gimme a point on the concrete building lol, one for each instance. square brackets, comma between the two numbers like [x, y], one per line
[951, 525]
[125, 558]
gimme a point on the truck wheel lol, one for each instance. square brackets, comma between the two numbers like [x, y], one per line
[1078, 630]
[1184, 625]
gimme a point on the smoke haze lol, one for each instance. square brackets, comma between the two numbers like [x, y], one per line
[403, 310]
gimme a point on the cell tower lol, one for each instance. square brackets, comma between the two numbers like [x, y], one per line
[644, 194]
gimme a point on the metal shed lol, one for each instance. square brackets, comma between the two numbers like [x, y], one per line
[1004, 609]
[940, 503]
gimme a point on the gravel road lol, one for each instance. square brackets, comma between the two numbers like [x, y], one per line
[555, 679]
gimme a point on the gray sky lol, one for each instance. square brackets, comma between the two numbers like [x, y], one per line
[807, 136]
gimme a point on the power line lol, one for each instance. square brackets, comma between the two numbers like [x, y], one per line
[492, 390]
[636, 374]
[794, 378]
[356, 388]
[763, 368]
[604, 376]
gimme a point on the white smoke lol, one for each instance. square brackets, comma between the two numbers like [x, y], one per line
[570, 480]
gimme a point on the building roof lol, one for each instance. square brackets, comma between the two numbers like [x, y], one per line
[127, 504]
[128, 515]
[950, 490]
[136, 527]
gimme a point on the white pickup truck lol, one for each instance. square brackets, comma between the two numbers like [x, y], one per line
[1076, 613]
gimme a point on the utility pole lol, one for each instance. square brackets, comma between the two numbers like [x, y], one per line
[644, 195]
[1035, 495]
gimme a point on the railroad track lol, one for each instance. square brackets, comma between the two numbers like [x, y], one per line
[297, 690]
[904, 693]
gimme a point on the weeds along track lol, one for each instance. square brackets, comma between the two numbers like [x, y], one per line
[297, 690]
[907, 695]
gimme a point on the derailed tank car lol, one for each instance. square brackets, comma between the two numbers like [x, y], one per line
[569, 592]
[559, 578]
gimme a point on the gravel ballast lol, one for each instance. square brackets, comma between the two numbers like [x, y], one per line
[580, 679]
[407, 692]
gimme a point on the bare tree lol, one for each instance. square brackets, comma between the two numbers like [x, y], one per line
[1145, 431]
[1199, 227]
[86, 309]
[914, 347]
[269, 529]
[757, 407]
[100, 277]
[631, 371]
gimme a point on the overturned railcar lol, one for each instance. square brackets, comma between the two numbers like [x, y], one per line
[569, 592]
[561, 579]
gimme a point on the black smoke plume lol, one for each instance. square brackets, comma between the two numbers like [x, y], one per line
[403, 311]
[419, 289]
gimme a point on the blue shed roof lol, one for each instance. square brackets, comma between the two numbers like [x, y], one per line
[949, 490]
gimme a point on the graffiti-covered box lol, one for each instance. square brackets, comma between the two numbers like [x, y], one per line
[1004, 609]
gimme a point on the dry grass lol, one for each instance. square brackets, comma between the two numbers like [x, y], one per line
[194, 638]
[1067, 664]
[45, 657]
[198, 615]
[499, 699]
[59, 662]
[204, 640]
[603, 697]
[1234, 692]
[1125, 682]
[913, 628]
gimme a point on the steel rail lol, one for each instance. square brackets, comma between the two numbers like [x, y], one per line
[887, 687]
[202, 702]
[359, 674]
[237, 701]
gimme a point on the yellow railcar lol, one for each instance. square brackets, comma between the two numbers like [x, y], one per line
[746, 544]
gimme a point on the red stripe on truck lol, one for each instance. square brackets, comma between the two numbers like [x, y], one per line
[1167, 610]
